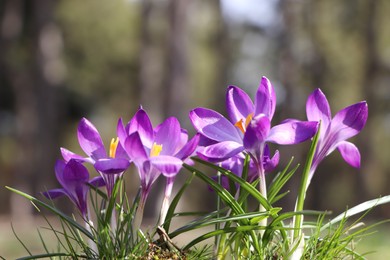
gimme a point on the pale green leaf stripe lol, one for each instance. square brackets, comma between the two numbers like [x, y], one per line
[43, 256]
[358, 209]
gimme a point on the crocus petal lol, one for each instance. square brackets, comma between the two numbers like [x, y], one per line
[220, 151]
[121, 132]
[90, 140]
[59, 171]
[169, 166]
[55, 193]
[317, 109]
[238, 104]
[135, 149]
[74, 173]
[349, 122]
[168, 136]
[148, 175]
[266, 152]
[234, 164]
[121, 152]
[97, 181]
[265, 101]
[141, 123]
[271, 163]
[75, 176]
[350, 153]
[182, 140]
[189, 148]
[292, 132]
[204, 141]
[256, 133]
[68, 155]
[112, 165]
[213, 125]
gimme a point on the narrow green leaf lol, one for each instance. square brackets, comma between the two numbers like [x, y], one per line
[208, 235]
[243, 183]
[207, 222]
[221, 191]
[298, 219]
[358, 209]
[224, 195]
[280, 181]
[174, 203]
[45, 256]
[53, 210]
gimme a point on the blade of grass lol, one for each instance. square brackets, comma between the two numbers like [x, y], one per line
[298, 219]
[358, 209]
[53, 210]
[175, 202]
[243, 183]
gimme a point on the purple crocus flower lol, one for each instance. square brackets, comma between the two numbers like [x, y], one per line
[249, 127]
[347, 123]
[74, 179]
[155, 151]
[110, 166]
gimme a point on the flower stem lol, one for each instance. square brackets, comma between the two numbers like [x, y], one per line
[113, 221]
[139, 214]
[298, 219]
[88, 224]
[167, 198]
[164, 210]
[262, 184]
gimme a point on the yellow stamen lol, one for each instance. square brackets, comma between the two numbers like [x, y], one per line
[248, 120]
[156, 150]
[113, 145]
[240, 123]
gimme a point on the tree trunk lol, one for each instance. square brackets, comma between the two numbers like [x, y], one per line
[177, 85]
[35, 80]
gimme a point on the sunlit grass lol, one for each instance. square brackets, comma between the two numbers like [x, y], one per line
[376, 244]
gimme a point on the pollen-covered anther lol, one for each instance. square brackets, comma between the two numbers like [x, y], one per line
[156, 150]
[241, 125]
[113, 145]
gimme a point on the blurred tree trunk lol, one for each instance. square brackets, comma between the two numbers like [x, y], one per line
[177, 84]
[372, 69]
[151, 72]
[221, 46]
[32, 51]
[289, 71]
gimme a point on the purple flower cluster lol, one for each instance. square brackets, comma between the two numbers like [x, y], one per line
[154, 151]
[248, 129]
[162, 150]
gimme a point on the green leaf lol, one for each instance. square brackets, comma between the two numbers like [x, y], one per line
[221, 191]
[244, 228]
[174, 203]
[211, 221]
[358, 209]
[279, 182]
[298, 219]
[43, 256]
[243, 183]
[229, 200]
[66, 218]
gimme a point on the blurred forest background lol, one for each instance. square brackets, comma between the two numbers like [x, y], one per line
[61, 60]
